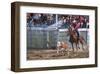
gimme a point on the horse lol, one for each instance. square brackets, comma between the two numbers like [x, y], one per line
[75, 39]
[61, 46]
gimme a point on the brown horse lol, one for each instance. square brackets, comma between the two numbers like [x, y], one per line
[75, 39]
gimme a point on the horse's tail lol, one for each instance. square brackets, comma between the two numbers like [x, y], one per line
[82, 38]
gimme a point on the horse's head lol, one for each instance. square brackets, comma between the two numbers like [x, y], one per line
[69, 28]
[72, 31]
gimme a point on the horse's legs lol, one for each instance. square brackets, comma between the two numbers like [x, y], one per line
[72, 47]
[81, 41]
[82, 46]
[76, 46]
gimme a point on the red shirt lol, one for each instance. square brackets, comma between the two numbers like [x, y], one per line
[77, 26]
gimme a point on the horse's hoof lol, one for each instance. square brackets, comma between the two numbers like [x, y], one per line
[83, 49]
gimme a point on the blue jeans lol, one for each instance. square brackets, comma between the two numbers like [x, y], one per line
[77, 33]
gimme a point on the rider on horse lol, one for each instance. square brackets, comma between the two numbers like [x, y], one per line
[75, 26]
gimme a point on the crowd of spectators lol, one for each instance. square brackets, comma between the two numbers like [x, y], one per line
[74, 20]
[40, 20]
[44, 20]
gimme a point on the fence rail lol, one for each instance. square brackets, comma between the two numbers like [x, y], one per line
[40, 38]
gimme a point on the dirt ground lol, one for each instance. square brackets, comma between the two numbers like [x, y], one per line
[52, 54]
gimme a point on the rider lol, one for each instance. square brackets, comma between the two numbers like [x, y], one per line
[76, 25]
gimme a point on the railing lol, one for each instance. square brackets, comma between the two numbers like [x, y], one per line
[47, 38]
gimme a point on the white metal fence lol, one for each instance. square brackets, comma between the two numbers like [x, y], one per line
[40, 38]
